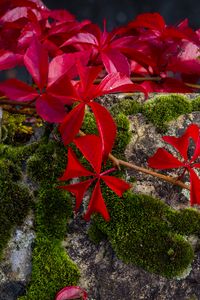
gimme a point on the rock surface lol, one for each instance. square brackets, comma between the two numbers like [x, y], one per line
[103, 275]
[15, 268]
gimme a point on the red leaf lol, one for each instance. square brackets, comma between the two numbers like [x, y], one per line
[84, 38]
[162, 159]
[118, 185]
[17, 90]
[195, 188]
[114, 61]
[97, 204]
[78, 190]
[148, 20]
[74, 168]
[71, 292]
[87, 76]
[66, 63]
[106, 127]
[9, 59]
[36, 62]
[182, 143]
[91, 148]
[72, 123]
[50, 109]
[62, 89]
[116, 82]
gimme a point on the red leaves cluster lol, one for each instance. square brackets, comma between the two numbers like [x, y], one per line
[91, 147]
[162, 159]
[72, 63]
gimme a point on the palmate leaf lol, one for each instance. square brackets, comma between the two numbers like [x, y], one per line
[94, 157]
[36, 62]
[71, 292]
[162, 159]
[91, 147]
[195, 188]
[17, 90]
[106, 127]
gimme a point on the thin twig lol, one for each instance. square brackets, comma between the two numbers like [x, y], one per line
[118, 162]
[16, 103]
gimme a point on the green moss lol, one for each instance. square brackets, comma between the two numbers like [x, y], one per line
[163, 109]
[123, 134]
[89, 124]
[196, 104]
[15, 200]
[52, 270]
[148, 233]
[53, 209]
[19, 154]
[127, 107]
[47, 163]
[15, 130]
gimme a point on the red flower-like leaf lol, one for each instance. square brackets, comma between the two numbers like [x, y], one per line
[91, 148]
[71, 292]
[162, 159]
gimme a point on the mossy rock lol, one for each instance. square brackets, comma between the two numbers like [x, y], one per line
[165, 108]
[53, 208]
[127, 107]
[15, 200]
[52, 270]
[146, 232]
[47, 163]
[196, 104]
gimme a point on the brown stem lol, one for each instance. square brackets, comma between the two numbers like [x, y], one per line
[16, 103]
[118, 162]
[20, 112]
[170, 179]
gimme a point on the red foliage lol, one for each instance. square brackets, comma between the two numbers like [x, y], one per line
[92, 149]
[162, 159]
[73, 63]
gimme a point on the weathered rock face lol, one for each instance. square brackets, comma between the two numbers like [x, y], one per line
[106, 277]
[103, 275]
[15, 268]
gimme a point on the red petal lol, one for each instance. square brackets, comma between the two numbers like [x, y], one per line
[87, 75]
[91, 148]
[78, 190]
[72, 123]
[83, 38]
[50, 109]
[74, 168]
[71, 292]
[9, 59]
[162, 159]
[97, 204]
[182, 143]
[17, 90]
[195, 188]
[106, 127]
[116, 82]
[36, 62]
[196, 165]
[63, 89]
[149, 20]
[118, 185]
[66, 63]
[114, 61]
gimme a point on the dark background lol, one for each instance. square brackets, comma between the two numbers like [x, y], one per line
[121, 12]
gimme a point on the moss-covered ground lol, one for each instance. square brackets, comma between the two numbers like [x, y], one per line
[143, 230]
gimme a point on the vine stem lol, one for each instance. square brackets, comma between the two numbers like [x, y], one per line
[118, 162]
